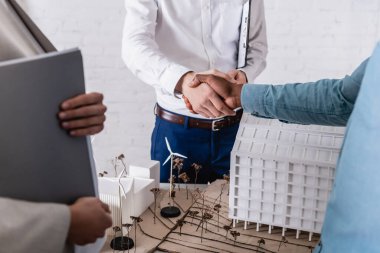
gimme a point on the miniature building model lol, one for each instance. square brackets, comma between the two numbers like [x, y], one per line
[132, 193]
[282, 174]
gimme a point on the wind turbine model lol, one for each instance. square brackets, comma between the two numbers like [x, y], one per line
[171, 211]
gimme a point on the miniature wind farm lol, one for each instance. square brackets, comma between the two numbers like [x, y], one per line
[196, 218]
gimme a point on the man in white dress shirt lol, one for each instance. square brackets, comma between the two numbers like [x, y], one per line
[165, 43]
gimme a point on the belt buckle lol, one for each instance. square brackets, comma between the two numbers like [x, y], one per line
[214, 127]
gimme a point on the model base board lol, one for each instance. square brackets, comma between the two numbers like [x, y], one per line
[192, 236]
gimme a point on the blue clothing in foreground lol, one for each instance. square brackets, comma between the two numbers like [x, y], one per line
[352, 216]
[325, 102]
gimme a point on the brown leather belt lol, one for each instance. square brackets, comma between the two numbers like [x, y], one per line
[214, 125]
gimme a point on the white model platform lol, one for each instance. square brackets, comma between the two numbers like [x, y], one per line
[282, 174]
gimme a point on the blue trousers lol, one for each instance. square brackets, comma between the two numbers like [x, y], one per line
[202, 146]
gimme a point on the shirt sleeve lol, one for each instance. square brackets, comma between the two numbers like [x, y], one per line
[140, 51]
[38, 227]
[257, 42]
[324, 102]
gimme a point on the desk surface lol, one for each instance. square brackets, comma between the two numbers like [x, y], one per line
[166, 235]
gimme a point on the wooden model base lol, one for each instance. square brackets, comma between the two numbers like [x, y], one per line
[191, 233]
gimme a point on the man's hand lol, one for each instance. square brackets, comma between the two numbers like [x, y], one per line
[238, 76]
[229, 91]
[89, 219]
[234, 76]
[203, 99]
[83, 114]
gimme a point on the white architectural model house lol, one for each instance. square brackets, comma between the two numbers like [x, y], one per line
[134, 191]
[282, 174]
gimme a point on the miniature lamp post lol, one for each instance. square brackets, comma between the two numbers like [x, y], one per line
[171, 211]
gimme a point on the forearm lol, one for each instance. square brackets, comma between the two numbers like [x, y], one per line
[41, 227]
[325, 102]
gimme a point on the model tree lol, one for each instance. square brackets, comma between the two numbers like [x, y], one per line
[227, 228]
[227, 178]
[180, 224]
[185, 179]
[197, 168]
[283, 242]
[155, 192]
[128, 226]
[178, 165]
[217, 208]
[193, 214]
[260, 242]
[235, 235]
[121, 158]
[136, 220]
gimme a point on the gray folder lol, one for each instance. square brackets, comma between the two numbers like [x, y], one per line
[39, 161]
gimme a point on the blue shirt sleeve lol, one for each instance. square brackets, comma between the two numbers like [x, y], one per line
[324, 102]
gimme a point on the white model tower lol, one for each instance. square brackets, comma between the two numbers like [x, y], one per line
[282, 174]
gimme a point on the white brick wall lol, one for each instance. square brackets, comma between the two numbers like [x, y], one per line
[308, 39]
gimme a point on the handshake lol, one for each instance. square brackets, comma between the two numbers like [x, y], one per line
[213, 93]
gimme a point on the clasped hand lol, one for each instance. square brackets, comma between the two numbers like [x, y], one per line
[213, 93]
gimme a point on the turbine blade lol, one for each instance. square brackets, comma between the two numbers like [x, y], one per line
[167, 160]
[176, 154]
[168, 145]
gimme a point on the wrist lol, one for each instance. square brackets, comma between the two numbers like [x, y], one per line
[183, 81]
[238, 91]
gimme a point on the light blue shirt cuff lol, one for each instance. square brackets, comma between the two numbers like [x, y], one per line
[253, 97]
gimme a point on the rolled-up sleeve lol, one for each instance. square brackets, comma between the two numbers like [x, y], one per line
[141, 53]
[257, 42]
[324, 102]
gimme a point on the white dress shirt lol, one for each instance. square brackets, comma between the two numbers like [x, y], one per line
[164, 39]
